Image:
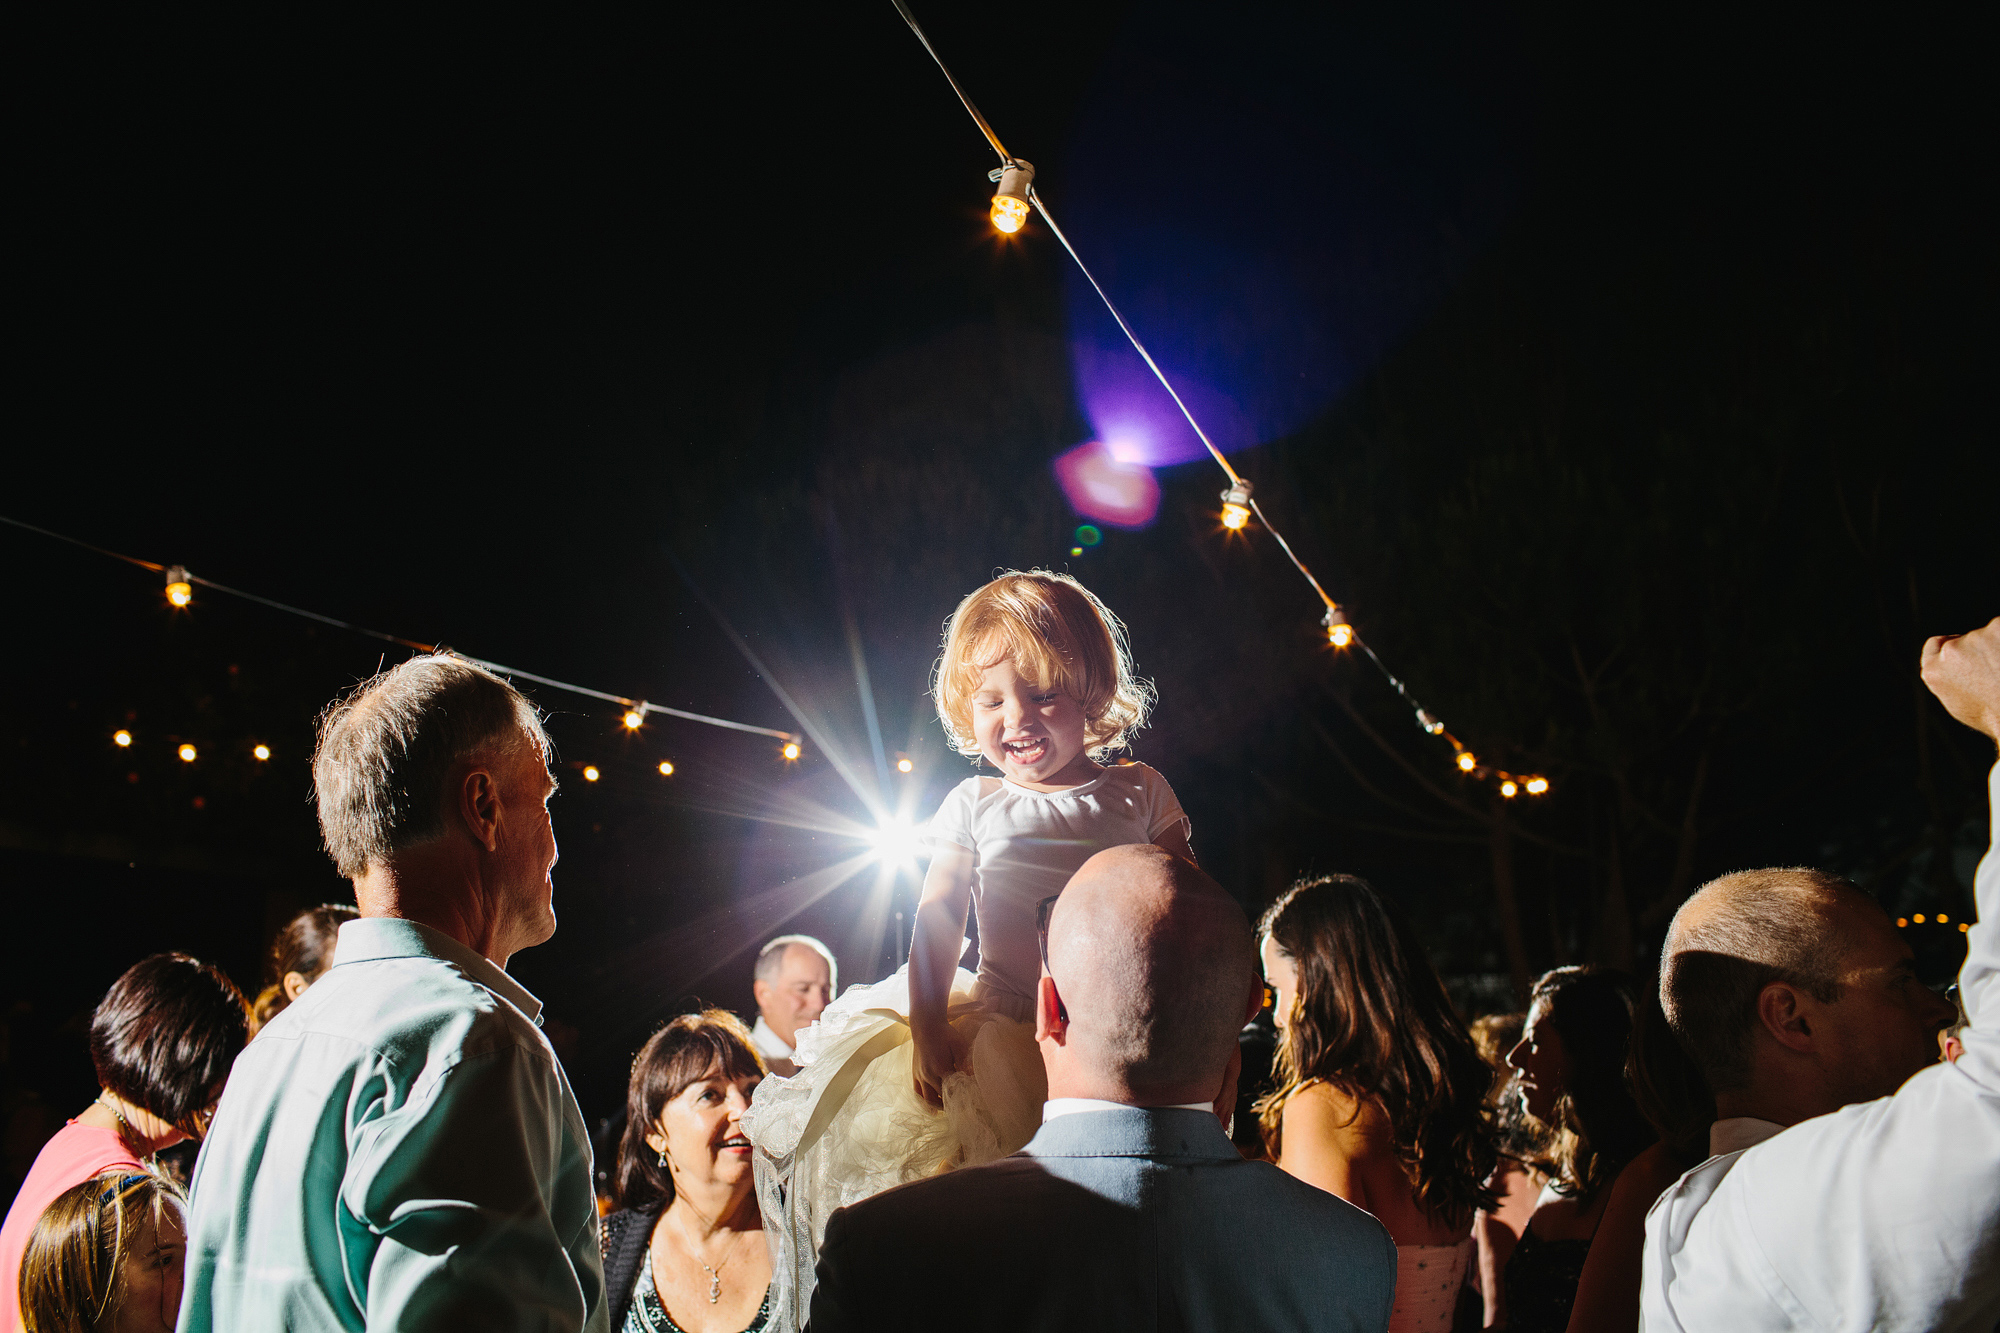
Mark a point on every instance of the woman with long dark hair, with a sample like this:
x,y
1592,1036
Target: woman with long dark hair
x,y
684,1251
300,952
1380,1092
1571,1059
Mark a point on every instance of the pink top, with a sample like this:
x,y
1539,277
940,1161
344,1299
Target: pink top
x,y
74,1155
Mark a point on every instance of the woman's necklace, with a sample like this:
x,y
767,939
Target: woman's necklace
x,y
124,1125
715,1273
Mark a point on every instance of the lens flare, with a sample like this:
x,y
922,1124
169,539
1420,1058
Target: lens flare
x,y
896,839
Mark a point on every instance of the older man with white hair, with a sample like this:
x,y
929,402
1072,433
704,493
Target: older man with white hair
x,y
1856,1181
1130,1209
400,1148
796,978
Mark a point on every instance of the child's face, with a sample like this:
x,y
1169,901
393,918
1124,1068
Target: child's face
x,y
153,1277
1032,734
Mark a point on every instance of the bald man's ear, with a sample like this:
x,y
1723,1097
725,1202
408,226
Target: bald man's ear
x,y
1051,1018
1255,1000
1783,1012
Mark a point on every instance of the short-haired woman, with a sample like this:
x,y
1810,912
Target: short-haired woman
x,y
1381,1093
162,1041
107,1257
684,1252
298,955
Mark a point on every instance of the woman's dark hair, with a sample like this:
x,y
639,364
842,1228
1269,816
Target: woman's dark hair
x,y
305,946
164,1035
691,1048
1668,1085
1596,1127
1371,1018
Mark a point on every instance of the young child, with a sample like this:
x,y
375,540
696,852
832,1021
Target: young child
x,y
934,1068
107,1254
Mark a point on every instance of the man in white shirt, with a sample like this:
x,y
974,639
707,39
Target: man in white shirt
x,y
796,980
1857,1180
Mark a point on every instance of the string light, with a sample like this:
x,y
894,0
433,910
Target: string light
x,y
1917,917
1010,201
121,739
1010,209
791,750
1236,505
590,773
179,592
186,753
1963,928
262,752
666,768
1942,918
1536,786
635,718
905,766
1509,790
1902,923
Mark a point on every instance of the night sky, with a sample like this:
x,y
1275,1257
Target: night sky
x,y
1624,377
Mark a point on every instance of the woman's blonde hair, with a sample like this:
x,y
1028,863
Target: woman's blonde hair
x,y
1060,636
73,1271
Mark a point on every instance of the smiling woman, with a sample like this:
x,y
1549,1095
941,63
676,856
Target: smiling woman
x,y
685,1249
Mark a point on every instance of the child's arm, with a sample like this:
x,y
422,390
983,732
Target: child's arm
x,y
934,948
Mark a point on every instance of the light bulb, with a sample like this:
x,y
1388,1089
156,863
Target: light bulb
x,y
905,766
1010,202
1236,505
1508,789
1429,723
1338,632
121,739
666,768
179,592
1964,929
791,749
1466,761
1918,917
1942,918
590,773
186,753
1902,923
1536,786
262,752
635,718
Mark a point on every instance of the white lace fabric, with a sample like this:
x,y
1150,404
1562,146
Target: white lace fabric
x,y
849,1124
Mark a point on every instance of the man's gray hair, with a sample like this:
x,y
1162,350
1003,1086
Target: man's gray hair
x,y
771,960
1732,938
387,748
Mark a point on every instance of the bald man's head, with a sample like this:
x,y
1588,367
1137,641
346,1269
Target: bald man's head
x,y
1739,934
1153,961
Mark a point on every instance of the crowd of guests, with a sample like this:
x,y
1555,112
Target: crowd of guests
x,y
1788,1131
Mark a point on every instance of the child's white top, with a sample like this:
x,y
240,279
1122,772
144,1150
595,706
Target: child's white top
x,y
1026,844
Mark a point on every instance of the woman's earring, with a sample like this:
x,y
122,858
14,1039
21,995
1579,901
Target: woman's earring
x,y
663,1157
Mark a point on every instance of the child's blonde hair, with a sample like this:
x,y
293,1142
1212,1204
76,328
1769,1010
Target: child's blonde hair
x,y
1060,636
73,1270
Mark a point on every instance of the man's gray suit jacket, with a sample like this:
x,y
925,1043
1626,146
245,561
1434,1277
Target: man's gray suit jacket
x,y
1116,1219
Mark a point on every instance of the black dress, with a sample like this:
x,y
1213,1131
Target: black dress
x,y
1541,1280
622,1239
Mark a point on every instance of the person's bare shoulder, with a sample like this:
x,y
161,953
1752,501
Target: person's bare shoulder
x,y
1357,1124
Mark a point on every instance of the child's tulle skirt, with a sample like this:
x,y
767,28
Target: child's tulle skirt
x,y
850,1124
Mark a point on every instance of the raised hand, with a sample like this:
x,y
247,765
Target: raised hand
x,y
1963,671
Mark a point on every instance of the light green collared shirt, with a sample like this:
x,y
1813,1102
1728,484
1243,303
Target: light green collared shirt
x,y
399,1149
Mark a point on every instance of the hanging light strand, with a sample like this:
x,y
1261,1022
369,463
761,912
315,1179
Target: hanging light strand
x,y
1238,501
638,706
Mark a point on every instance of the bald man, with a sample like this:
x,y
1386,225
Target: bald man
x,y
1856,1180
1129,1209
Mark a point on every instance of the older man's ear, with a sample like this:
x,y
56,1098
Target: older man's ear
x,y
1051,1019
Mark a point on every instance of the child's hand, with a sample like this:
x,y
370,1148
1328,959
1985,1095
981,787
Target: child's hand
x,y
939,1051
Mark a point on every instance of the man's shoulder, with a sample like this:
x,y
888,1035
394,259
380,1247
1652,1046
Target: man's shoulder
x,y
404,1007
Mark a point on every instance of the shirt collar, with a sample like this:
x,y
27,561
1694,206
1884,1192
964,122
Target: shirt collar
x,y
371,938
768,1043
1739,1132
1057,1107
